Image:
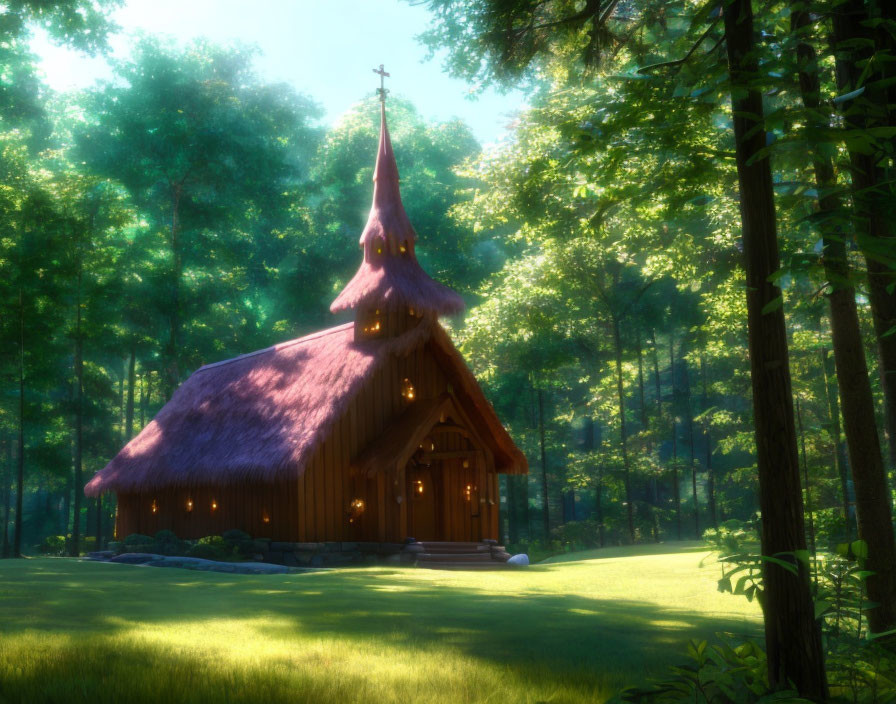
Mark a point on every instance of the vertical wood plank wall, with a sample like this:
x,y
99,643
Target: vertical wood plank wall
x,y
315,506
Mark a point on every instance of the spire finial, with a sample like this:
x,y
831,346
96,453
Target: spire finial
x,y
383,76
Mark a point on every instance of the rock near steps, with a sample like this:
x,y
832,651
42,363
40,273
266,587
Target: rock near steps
x,y
484,555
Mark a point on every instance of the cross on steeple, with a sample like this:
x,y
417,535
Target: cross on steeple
x,y
382,89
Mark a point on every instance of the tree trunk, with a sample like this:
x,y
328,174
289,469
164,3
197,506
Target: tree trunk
x,y
687,378
143,400
641,384
710,477
872,195
20,478
792,635
865,457
676,488
75,546
599,505
569,505
121,406
6,489
623,434
545,514
656,376
649,443
129,413
807,487
172,377
839,456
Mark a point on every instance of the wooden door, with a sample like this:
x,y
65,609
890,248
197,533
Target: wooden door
x,y
423,497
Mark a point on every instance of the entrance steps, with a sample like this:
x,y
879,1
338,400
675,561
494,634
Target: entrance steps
x,y
443,555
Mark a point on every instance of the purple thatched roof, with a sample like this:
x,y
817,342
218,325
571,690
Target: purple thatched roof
x,y
250,417
390,276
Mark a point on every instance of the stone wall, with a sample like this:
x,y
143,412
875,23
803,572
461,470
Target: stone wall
x,y
336,554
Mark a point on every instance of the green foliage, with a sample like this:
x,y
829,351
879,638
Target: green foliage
x,y
732,536
239,543
137,542
715,674
576,535
214,547
167,543
55,545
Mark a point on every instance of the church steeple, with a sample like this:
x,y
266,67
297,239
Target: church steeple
x,y
390,281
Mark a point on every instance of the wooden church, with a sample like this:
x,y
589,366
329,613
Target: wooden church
x,y
375,430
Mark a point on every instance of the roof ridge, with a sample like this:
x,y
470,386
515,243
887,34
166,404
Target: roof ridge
x,y
278,346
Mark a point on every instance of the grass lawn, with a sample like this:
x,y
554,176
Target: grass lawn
x,y
566,631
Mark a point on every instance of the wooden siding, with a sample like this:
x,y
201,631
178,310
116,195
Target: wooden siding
x,y
315,506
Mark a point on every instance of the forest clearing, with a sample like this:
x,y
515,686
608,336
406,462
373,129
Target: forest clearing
x,y
571,632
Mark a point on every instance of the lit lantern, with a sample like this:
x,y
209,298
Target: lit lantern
x,y
189,504
418,487
214,505
402,248
265,518
468,492
155,506
407,390
411,312
466,464
355,509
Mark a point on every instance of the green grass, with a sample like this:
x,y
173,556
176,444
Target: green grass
x,y
75,631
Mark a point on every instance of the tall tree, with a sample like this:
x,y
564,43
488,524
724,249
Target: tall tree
x,y
863,57
200,144
792,635
865,457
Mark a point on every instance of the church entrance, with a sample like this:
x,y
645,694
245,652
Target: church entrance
x,y
424,492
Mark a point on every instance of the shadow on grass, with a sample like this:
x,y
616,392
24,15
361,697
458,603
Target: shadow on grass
x,y
539,640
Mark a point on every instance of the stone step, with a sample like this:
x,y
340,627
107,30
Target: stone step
x,y
432,550
458,547
456,557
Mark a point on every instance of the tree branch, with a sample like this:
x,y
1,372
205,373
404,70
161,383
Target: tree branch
x,y
684,59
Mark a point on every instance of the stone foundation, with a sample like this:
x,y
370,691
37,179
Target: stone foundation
x,y
329,554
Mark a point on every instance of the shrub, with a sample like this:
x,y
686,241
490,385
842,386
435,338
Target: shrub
x,y
136,542
167,543
213,547
717,674
576,535
55,545
240,542
830,527
731,536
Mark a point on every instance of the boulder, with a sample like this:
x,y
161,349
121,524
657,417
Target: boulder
x,y
520,559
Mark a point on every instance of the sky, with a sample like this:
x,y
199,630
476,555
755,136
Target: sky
x,y
324,48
